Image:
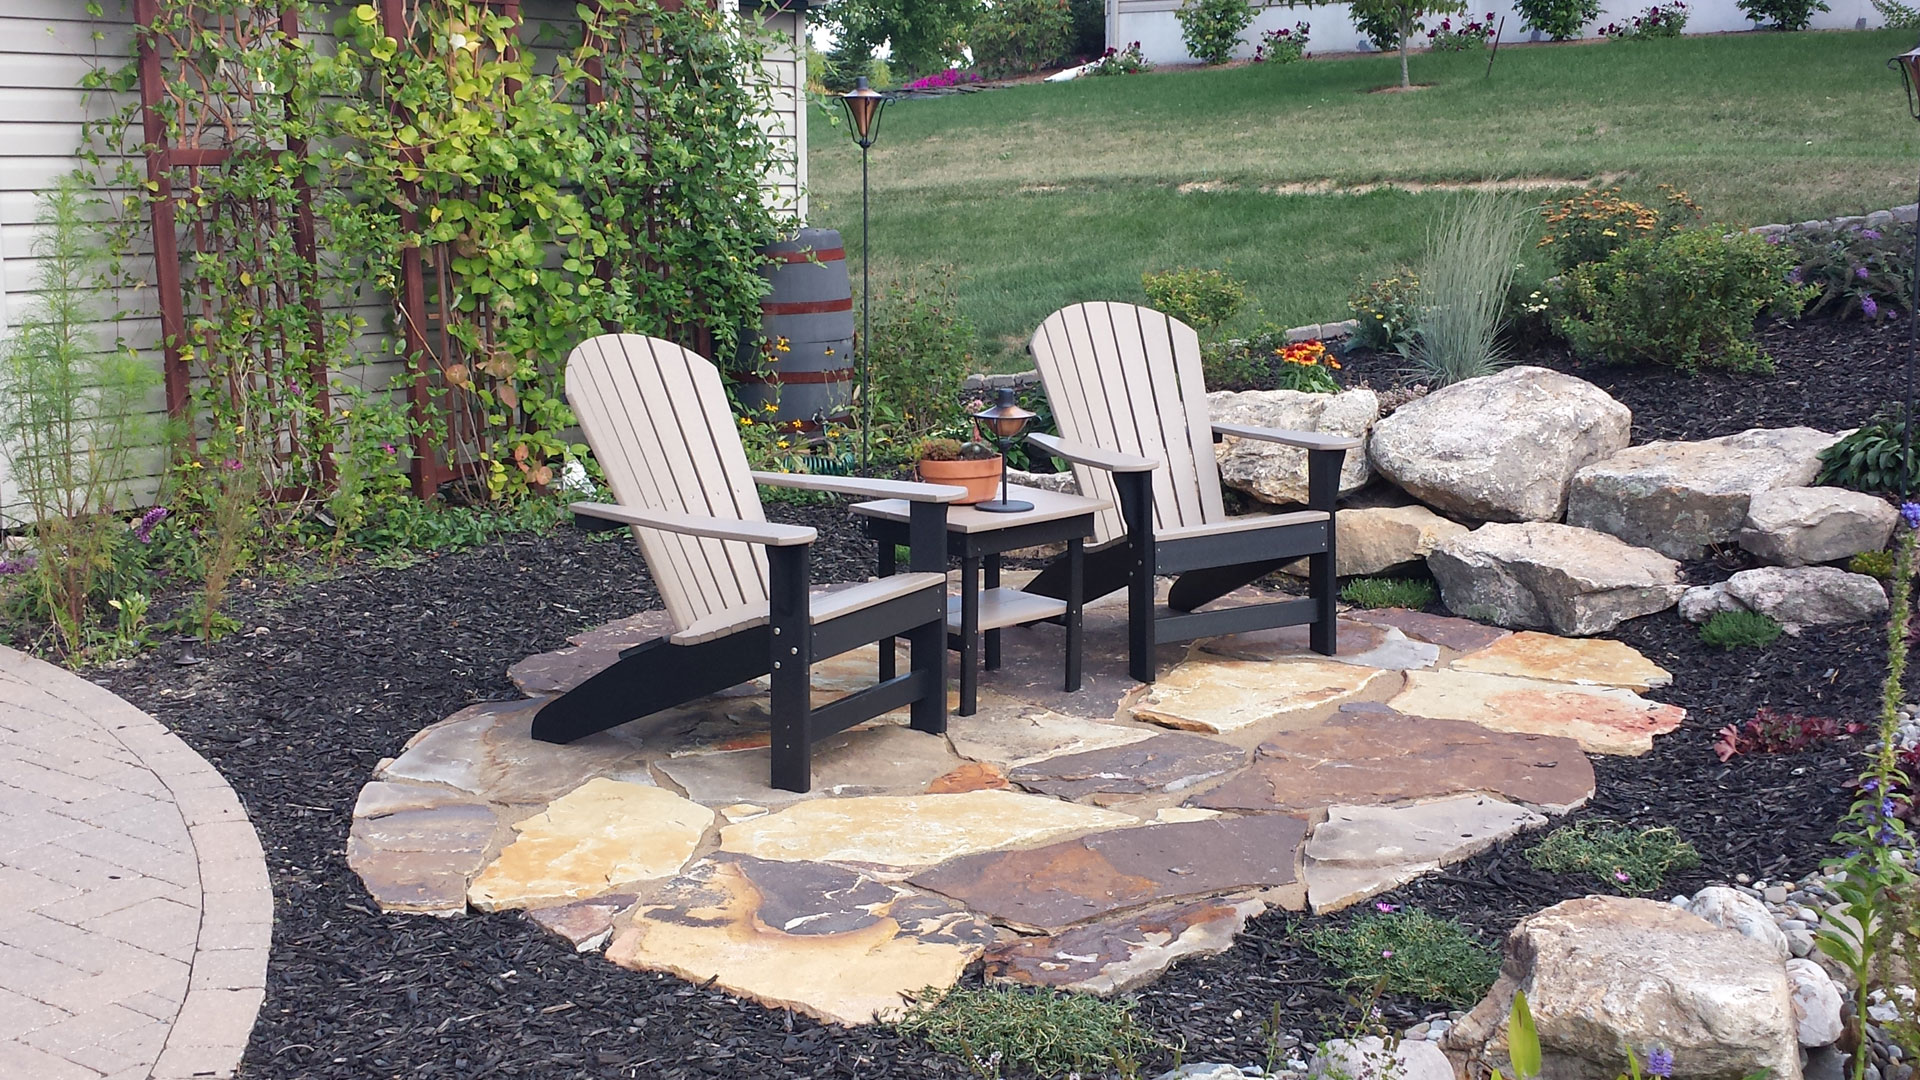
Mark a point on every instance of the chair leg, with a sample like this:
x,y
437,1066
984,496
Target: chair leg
x,y
887,563
1325,588
1136,506
791,662
927,657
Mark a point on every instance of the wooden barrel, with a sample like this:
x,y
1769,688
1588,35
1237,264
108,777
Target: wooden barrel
x,y
809,303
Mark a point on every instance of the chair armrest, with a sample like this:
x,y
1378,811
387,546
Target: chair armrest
x,y
860,485
753,532
1082,454
1305,440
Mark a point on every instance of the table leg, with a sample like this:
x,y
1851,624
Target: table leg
x,y
887,564
969,635
993,636
1076,588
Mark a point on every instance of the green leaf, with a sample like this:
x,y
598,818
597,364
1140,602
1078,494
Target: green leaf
x,y
1523,1039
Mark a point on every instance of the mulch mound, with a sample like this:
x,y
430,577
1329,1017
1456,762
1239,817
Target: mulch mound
x,y
327,678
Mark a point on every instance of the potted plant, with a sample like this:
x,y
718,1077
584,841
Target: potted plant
x,y
972,465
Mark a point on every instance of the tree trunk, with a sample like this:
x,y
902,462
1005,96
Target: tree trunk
x,y
1406,31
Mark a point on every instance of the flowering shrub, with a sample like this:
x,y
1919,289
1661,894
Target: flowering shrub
x,y
1017,36
1593,224
1308,366
1558,19
1282,46
1387,310
1655,22
1861,273
944,79
1127,61
1688,300
1202,299
1212,28
1469,35
1783,14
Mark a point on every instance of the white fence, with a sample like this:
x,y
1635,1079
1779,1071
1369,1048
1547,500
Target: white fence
x,y
1153,25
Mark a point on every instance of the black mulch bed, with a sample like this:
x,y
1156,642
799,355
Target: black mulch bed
x,y
331,676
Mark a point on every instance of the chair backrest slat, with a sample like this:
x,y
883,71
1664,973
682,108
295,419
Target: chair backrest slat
x,y
656,417
1127,378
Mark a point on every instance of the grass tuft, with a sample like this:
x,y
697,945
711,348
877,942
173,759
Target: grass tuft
x,y
1739,630
1875,564
1463,289
1629,861
1000,1030
1410,952
1376,592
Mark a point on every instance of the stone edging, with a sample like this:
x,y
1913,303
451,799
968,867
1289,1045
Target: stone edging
x,y
1903,214
1031,377
228,972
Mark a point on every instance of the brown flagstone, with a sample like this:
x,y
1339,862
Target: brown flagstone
x,y
1011,733
1460,635
1218,696
548,673
886,759
1360,644
973,776
1382,756
1362,851
1598,661
626,633
1050,888
420,860
585,924
819,939
1164,763
1604,719
489,750
1114,956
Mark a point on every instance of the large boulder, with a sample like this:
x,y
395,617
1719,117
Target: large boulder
x,y
1272,472
1796,526
1793,596
1500,448
1369,539
1680,497
1543,576
1605,973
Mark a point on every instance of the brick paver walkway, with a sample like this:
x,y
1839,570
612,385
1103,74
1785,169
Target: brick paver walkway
x,y
135,912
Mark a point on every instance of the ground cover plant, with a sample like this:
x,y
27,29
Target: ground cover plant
x,y
1739,630
1022,1031
1192,168
1777,731
1378,592
1625,860
1409,951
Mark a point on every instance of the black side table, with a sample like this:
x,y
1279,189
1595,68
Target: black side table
x,y
978,539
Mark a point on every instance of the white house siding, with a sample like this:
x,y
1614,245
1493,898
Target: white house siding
x,y
1152,23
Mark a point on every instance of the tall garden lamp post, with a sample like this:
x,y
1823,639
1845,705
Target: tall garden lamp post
x,y
863,106
1005,419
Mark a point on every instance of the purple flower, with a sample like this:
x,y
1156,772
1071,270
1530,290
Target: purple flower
x,y
143,529
16,566
1774,240
1868,308
1910,513
389,448
1870,234
1860,272
1660,1062
1794,275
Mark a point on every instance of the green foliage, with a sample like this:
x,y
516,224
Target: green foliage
x,y
1594,224
1558,19
1380,23
1469,264
1409,952
1089,27
924,36
1127,61
1014,37
955,450
1629,861
1783,14
1861,273
1896,15
1688,300
1387,311
1739,630
1212,28
1873,564
1874,457
71,419
1203,299
1378,592
1523,1039
996,1030
1397,21
922,350
1284,45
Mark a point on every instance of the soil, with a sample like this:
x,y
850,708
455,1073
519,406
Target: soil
x,y
330,676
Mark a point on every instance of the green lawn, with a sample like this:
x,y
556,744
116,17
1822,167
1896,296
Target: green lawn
x,y
1043,195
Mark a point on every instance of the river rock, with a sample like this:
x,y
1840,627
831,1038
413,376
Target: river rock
x,y
1796,526
1543,576
1808,595
1604,973
1500,448
1731,909
1679,498
1275,473
1816,1003
1368,1058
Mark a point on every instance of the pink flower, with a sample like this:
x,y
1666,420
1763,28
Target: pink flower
x,y
1386,954
1383,906
1622,876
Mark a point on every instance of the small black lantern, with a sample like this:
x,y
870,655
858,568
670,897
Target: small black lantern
x,y
1006,420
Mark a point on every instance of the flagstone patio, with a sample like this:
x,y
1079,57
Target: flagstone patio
x,y
1081,841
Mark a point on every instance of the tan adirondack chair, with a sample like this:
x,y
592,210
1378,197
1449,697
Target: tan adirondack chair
x,y
1126,390
735,584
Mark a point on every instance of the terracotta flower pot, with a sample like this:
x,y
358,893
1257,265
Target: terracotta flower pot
x,y
980,476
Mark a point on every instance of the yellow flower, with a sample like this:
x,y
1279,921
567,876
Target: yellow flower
x,y
746,421
783,444
769,407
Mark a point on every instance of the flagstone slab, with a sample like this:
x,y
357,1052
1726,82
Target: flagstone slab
x,y
1010,734
1358,643
589,842
888,759
378,798
1603,719
489,751
972,776
1048,889
1460,635
548,673
821,940
584,924
1383,756
1219,696
625,633
419,860
1362,851
1164,763
1114,956
911,830
1594,661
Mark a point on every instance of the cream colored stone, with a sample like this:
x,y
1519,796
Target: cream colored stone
x,y
1205,694
1026,734
599,836
887,759
489,750
1602,719
741,811
913,830
1589,661
1170,814
1362,851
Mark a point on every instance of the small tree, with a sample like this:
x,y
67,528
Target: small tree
x,y
1404,16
